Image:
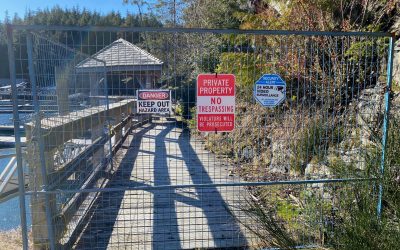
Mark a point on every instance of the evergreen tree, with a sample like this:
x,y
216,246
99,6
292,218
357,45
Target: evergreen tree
x,y
75,17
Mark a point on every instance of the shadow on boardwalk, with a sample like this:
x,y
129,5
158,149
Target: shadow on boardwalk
x,y
176,218
103,213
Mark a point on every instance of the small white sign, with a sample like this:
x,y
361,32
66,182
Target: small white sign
x,y
154,101
270,90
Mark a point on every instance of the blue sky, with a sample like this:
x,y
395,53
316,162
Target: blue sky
x,y
102,6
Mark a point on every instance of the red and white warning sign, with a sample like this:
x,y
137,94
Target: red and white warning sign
x,y
215,102
154,101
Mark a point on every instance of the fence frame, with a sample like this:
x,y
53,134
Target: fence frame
x,y
32,28
21,181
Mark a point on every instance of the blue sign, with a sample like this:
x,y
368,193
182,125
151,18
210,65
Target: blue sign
x,y
270,90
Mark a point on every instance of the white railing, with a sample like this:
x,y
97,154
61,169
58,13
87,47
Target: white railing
x,y
8,179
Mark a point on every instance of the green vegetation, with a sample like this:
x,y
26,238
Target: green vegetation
x,y
264,224
360,226
338,216
308,145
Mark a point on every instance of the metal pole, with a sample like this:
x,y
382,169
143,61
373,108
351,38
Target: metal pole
x,y
21,181
385,122
108,116
32,77
194,30
174,13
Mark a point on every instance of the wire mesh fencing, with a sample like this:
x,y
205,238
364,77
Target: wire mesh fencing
x,y
103,175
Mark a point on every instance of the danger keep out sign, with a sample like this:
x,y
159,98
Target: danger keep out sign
x,y
215,102
154,101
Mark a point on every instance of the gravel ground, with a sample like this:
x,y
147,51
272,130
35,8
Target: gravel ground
x,y
10,240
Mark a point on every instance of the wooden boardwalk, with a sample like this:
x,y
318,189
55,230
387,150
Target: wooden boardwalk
x,y
166,218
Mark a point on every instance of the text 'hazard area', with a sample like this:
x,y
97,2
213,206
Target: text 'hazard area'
x,y
154,101
215,102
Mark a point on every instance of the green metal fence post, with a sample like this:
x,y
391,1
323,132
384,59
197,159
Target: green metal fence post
x,y
385,122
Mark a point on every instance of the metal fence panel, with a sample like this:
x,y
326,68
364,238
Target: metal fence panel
x,y
104,176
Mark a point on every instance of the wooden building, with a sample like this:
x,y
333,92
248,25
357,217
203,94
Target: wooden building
x,y
128,68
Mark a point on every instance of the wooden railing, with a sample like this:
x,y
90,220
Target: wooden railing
x,y
88,167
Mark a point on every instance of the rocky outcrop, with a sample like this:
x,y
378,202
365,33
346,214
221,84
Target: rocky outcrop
x,y
280,155
366,133
317,169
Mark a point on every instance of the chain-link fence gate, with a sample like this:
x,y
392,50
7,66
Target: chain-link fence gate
x,y
104,176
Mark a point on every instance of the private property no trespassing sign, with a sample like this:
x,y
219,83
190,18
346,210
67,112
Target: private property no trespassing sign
x,y
154,101
215,102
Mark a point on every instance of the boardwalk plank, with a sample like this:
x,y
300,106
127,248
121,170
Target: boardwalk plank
x,y
173,218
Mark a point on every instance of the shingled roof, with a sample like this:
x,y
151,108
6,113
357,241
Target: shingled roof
x,y
120,55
